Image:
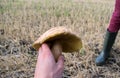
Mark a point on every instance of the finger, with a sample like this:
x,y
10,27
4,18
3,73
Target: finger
x,y
38,64
45,47
39,54
40,50
60,63
46,51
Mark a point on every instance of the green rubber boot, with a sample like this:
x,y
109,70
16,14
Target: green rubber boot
x,y
108,43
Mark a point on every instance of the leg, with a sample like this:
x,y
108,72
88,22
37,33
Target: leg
x,y
115,22
114,25
108,43
111,34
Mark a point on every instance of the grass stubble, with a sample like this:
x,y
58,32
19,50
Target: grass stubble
x,y
23,21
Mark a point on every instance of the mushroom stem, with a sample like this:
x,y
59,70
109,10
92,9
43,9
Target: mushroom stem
x,y
56,50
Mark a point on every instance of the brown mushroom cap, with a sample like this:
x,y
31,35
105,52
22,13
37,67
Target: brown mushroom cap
x,y
69,41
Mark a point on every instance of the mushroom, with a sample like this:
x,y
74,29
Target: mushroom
x,y
60,39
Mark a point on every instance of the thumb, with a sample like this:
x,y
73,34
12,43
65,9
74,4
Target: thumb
x,y
60,63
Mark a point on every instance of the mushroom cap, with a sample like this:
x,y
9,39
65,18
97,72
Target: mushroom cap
x,y
69,41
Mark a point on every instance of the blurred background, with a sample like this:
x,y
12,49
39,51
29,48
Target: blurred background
x,y
23,21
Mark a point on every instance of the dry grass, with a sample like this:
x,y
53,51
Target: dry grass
x,y
23,21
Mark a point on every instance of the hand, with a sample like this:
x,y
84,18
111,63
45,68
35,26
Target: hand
x,y
46,66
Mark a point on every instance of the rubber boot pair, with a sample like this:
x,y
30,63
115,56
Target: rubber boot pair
x,y
108,43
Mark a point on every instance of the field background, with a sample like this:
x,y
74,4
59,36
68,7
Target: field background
x,y
23,21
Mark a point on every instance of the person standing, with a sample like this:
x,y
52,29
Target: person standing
x,y
111,34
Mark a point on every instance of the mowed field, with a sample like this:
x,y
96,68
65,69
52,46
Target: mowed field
x,y
23,21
